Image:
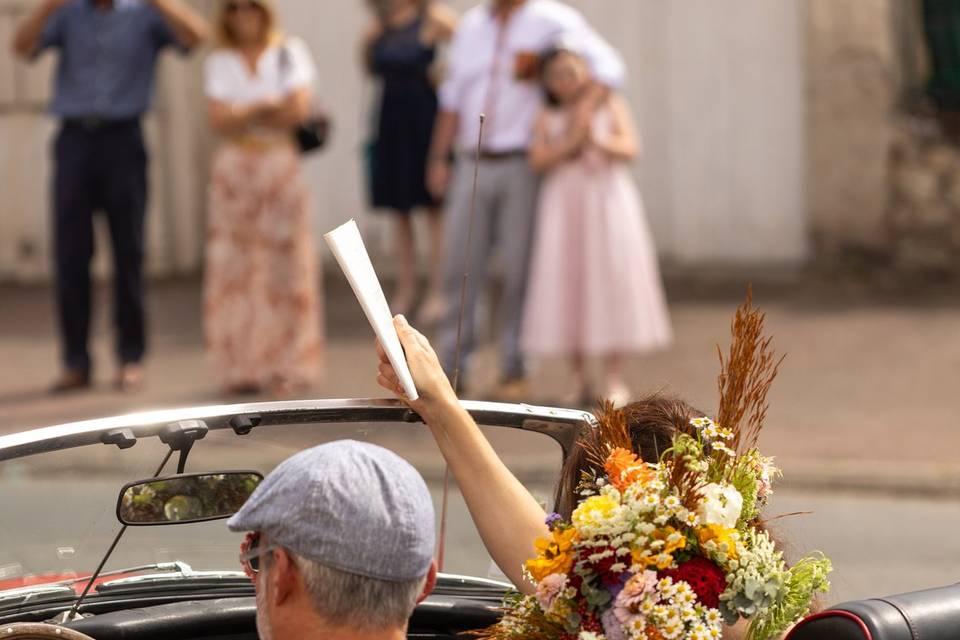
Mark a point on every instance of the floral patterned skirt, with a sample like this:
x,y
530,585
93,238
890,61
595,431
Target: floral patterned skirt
x,y
262,306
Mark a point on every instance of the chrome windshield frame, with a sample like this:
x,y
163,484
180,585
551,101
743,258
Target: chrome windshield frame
x,y
562,425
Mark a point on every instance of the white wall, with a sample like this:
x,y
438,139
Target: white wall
x,y
718,91
717,88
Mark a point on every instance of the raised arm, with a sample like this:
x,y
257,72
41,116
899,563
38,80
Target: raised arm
x,y
507,517
189,28
440,25
26,39
606,64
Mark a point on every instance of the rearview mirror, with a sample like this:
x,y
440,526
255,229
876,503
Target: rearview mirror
x,y
185,498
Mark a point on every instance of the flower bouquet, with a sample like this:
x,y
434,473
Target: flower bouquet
x,y
677,548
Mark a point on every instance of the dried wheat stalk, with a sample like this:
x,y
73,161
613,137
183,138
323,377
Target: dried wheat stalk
x,y
746,375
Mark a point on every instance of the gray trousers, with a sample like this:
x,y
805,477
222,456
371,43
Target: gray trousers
x,y
503,220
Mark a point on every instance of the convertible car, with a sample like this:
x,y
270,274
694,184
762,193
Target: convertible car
x,y
81,552
83,555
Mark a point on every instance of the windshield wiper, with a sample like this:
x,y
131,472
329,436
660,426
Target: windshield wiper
x,y
184,574
37,593
64,588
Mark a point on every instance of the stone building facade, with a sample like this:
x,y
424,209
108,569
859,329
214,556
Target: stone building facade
x,y
883,177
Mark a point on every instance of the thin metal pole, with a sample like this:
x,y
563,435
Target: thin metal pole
x,y
445,498
466,256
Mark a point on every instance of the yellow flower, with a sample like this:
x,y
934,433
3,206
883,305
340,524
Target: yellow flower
x,y
720,535
594,511
554,554
672,541
644,558
672,538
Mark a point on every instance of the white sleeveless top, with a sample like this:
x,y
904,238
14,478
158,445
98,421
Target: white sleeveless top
x,y
227,77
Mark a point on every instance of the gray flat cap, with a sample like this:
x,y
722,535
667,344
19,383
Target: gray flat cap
x,y
348,505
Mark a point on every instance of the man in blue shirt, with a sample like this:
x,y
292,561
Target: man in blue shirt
x,y
103,85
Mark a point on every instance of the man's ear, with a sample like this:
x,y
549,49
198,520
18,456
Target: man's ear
x,y
430,583
283,574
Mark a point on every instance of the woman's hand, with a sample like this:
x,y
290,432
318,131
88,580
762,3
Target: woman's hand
x,y
438,177
432,384
263,111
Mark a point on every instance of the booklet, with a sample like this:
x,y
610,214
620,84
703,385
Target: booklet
x,y
351,254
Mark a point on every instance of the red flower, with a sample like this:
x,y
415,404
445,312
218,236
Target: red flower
x,y
705,578
575,580
602,567
588,621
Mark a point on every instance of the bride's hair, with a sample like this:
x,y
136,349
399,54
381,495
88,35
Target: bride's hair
x,y
652,421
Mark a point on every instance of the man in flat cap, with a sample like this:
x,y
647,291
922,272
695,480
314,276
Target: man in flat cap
x,y
341,544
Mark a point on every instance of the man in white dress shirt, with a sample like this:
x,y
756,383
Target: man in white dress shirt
x,y
492,70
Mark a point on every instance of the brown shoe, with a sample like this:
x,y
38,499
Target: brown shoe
x,y
71,380
130,377
511,391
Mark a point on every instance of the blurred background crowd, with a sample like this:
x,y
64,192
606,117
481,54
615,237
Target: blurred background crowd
x,y
642,161
773,139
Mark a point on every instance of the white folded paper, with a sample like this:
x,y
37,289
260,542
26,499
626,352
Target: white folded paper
x,y
351,254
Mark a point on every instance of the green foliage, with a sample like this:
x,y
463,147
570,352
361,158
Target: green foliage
x,y
804,579
596,597
745,480
685,449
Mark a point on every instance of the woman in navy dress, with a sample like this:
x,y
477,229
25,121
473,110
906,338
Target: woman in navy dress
x,y
399,48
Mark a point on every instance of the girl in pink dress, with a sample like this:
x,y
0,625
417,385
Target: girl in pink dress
x,y
594,287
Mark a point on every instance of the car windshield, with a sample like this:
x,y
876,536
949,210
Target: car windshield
x,y
69,512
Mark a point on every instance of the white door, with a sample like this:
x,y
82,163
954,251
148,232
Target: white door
x,y
718,91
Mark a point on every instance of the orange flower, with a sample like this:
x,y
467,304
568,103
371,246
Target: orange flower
x,y
554,554
653,634
624,469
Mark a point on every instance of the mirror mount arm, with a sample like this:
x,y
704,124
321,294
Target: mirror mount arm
x,y
180,436
182,463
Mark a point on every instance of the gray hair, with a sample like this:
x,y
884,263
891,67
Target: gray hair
x,y
359,602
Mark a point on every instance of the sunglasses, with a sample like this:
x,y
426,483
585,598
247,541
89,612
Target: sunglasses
x,y
251,549
233,7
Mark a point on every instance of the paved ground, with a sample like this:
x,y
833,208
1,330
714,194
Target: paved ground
x,y
873,541
867,396
863,422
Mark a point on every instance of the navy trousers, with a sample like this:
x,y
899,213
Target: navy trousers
x,y
99,166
